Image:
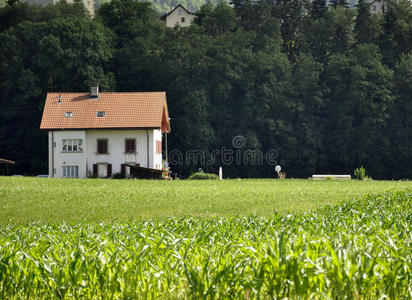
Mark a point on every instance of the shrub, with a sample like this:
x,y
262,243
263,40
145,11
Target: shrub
x,y
199,175
360,173
118,176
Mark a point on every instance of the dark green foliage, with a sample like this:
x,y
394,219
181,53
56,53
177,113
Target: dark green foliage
x,y
360,173
201,176
325,89
163,6
53,53
318,9
118,176
367,26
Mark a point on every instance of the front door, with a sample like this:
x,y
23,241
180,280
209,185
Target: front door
x,y
102,170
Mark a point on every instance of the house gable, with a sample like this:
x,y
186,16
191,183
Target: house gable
x,y
179,16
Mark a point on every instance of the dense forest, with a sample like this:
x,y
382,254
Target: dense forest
x,y
326,87
162,6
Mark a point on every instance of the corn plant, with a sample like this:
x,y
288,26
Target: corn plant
x,y
357,250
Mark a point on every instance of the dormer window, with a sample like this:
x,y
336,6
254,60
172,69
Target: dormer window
x,y
68,114
101,114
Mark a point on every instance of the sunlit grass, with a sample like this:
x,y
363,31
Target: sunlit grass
x,y
24,200
359,249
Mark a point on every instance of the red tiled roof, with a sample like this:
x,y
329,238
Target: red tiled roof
x,y
122,110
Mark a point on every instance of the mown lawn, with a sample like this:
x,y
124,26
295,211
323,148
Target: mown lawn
x,y
25,200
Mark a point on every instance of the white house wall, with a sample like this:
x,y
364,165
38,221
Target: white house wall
x,y
66,158
116,156
116,148
157,156
176,18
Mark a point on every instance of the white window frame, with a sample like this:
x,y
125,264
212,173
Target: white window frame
x,y
72,145
70,171
68,114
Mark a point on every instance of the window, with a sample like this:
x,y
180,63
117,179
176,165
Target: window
x,y
68,114
101,114
183,20
72,145
130,146
179,12
102,146
374,8
70,171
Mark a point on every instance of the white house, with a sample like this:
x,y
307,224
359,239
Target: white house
x,y
377,6
98,134
179,16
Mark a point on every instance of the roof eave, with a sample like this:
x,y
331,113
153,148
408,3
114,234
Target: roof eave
x,y
100,128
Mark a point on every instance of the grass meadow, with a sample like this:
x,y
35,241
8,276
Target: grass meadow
x,y
231,239
30,199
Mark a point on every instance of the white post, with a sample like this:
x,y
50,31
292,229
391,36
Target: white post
x,y
220,173
277,169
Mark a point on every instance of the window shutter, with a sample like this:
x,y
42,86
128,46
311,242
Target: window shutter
x,y
94,170
123,169
102,146
130,146
109,170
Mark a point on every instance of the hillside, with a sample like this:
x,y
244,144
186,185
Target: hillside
x,y
164,6
248,86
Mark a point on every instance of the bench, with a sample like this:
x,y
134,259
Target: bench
x,y
347,177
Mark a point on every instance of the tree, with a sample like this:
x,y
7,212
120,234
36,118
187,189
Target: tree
x,y
360,96
318,9
366,26
289,14
329,34
307,118
216,20
41,57
128,19
397,28
341,3
399,128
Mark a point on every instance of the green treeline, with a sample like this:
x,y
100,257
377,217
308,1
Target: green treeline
x,y
164,6
321,89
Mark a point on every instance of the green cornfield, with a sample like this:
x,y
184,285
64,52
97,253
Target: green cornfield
x,y
357,249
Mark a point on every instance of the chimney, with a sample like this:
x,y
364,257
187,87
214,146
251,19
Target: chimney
x,y
94,90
